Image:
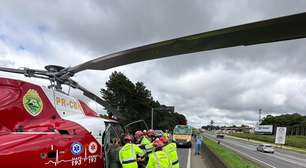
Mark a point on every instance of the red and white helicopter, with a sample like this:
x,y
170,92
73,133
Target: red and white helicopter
x,y
45,127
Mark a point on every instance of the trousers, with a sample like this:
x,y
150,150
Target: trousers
x,y
198,149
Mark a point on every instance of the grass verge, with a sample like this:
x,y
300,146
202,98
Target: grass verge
x,y
230,158
293,141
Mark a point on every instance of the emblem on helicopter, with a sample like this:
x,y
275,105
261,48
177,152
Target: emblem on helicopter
x,y
76,148
32,102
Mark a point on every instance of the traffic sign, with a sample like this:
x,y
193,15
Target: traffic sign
x,y
280,137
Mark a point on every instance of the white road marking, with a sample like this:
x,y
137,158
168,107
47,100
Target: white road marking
x,y
291,157
241,153
249,156
189,157
287,158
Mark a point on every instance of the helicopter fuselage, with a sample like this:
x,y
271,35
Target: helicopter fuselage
x,y
41,127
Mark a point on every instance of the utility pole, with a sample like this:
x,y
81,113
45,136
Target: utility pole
x,y
259,117
152,114
211,124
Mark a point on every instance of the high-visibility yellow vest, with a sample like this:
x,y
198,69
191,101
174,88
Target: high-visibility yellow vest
x,y
159,159
171,151
145,141
128,155
149,148
166,135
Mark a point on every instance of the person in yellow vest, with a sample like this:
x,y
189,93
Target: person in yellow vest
x,y
145,139
128,153
138,136
151,134
166,134
146,142
171,150
158,158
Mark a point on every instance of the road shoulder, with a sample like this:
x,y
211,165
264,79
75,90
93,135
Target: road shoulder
x,y
197,161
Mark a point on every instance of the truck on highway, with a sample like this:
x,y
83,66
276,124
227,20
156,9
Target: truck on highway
x,y
183,135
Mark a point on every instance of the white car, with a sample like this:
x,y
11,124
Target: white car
x,y
265,148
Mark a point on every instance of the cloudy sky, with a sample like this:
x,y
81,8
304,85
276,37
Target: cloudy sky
x,y
226,85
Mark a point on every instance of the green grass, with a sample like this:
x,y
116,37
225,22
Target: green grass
x,y
294,141
230,158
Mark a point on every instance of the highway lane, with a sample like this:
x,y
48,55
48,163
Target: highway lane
x,y
280,159
183,156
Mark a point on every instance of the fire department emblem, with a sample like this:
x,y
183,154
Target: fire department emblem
x,y
93,147
32,102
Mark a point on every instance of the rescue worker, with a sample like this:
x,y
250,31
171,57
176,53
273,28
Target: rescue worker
x,y
151,134
128,153
144,132
158,159
166,134
171,150
138,136
146,141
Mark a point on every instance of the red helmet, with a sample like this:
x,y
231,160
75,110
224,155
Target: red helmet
x,y
128,138
138,134
158,143
151,132
164,140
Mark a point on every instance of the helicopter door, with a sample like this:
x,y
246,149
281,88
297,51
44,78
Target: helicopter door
x,y
112,144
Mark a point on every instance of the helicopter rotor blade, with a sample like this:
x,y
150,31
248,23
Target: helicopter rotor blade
x,y
28,72
277,29
13,70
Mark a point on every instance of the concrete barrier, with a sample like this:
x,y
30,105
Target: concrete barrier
x,y
211,159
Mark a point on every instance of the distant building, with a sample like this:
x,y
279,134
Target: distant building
x,y
242,129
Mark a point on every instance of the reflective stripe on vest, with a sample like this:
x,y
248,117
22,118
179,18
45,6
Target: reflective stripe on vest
x,y
157,160
175,162
148,148
131,159
128,161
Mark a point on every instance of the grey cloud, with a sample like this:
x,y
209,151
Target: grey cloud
x,y
227,85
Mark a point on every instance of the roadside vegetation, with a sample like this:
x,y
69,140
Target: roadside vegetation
x,y
293,141
230,158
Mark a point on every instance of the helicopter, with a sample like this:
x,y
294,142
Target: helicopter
x,y
46,127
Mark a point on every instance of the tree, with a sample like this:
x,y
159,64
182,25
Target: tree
x,y
285,120
118,93
135,102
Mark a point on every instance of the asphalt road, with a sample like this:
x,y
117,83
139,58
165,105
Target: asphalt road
x,y
183,156
280,159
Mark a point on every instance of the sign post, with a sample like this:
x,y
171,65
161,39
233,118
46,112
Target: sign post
x,y
280,137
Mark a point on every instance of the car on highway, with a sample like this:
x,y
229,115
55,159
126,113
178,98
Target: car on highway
x,y
265,148
220,136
